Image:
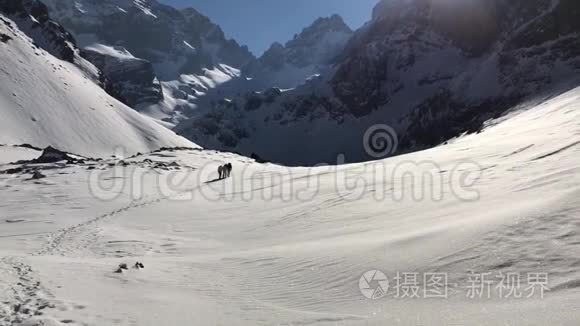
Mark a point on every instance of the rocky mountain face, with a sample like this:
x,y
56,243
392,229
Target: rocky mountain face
x,y
146,42
495,55
33,18
131,80
310,53
419,44
225,122
175,41
173,64
430,69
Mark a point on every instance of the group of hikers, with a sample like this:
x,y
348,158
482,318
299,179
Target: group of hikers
x,y
224,171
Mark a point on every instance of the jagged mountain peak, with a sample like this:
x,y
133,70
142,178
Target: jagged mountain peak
x,y
310,52
276,46
321,29
322,25
322,32
191,12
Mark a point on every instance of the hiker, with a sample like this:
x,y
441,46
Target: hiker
x,y
221,171
229,169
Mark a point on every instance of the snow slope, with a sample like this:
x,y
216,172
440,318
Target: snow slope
x,y
46,101
287,246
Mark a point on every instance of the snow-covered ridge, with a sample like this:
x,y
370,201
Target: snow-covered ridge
x,y
47,101
94,9
112,51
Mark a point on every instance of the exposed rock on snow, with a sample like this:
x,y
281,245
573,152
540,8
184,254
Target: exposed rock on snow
x,y
52,155
5,38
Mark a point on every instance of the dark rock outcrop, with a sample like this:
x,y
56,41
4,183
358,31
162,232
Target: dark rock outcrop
x,y
52,155
131,80
33,18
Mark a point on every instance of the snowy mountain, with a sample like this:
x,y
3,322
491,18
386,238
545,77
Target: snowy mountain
x,y
175,41
142,44
170,63
310,53
431,70
50,95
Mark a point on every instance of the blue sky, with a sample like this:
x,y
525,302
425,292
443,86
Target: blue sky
x,y
259,23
